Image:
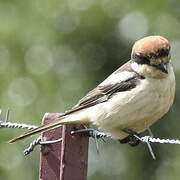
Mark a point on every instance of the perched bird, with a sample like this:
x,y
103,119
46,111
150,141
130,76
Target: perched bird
x,y
133,97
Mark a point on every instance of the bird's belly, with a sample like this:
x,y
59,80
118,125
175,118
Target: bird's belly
x,y
136,109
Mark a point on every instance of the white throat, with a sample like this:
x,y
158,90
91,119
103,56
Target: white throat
x,y
148,71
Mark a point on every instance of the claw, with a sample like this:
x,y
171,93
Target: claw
x,y
133,139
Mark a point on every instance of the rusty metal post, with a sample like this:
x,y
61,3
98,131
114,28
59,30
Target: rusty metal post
x,y
66,160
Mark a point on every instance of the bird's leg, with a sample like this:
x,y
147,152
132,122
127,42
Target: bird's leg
x,y
132,139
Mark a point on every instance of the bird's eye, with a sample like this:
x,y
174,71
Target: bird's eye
x,y
140,59
162,53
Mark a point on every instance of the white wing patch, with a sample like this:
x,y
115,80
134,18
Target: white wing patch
x,y
117,78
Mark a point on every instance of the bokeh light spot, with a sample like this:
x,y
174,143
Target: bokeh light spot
x,y
66,21
38,60
22,91
65,59
133,26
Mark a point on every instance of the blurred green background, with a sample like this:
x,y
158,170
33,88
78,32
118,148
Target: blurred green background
x,y
44,42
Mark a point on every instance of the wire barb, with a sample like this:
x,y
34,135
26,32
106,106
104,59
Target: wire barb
x,y
149,145
6,124
95,134
92,133
7,115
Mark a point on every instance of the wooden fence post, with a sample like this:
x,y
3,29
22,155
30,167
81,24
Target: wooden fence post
x,y
66,160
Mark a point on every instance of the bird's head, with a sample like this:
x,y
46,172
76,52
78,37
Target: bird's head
x,y
151,56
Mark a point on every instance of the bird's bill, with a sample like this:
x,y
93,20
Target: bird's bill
x,y
163,67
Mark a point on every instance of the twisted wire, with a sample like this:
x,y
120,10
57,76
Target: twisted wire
x,y
16,125
39,141
99,134
93,133
32,146
158,140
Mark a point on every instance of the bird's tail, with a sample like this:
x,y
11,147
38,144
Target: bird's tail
x,y
44,128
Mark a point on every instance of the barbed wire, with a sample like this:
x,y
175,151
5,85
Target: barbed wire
x,y
32,146
92,133
146,139
39,141
6,124
16,125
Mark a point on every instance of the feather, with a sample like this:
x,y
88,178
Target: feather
x,y
100,94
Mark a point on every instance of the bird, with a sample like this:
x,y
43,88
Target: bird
x,y
133,97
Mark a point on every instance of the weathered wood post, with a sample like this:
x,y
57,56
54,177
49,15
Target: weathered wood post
x,y
66,160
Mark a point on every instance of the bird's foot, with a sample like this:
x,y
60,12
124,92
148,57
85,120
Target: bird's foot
x,y
133,139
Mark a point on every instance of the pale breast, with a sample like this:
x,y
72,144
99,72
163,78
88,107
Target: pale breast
x,y
138,108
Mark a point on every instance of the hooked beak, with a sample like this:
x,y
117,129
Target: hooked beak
x,y
163,67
